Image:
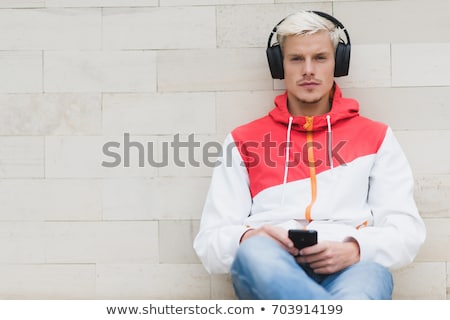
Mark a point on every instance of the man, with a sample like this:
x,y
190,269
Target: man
x,y
312,163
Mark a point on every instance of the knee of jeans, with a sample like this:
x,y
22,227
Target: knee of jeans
x,y
253,247
378,268
253,251
366,280
385,281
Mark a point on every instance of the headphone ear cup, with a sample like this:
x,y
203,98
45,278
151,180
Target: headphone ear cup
x,y
275,59
342,59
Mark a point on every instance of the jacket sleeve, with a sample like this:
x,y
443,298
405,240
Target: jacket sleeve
x,y
227,205
398,230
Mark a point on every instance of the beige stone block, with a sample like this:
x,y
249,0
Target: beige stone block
x,y
425,151
153,199
237,108
50,29
42,281
102,242
448,280
209,2
22,242
420,281
21,71
98,157
190,155
394,21
45,200
100,71
50,114
159,113
250,25
370,66
309,1
437,243
432,194
22,157
222,287
22,3
420,64
159,28
424,108
152,281
176,238
213,70
101,3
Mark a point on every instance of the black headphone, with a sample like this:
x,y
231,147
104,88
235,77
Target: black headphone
x,y
342,56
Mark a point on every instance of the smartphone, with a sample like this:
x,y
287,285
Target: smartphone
x,y
302,238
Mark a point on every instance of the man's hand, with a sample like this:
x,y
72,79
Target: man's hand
x,y
277,233
329,256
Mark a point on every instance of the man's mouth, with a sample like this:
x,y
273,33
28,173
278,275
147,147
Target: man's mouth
x,y
308,84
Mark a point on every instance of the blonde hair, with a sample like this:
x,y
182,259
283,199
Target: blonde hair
x,y
307,23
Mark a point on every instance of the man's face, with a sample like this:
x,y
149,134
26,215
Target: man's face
x,y
308,69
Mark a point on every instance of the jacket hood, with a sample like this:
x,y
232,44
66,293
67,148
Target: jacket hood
x,y
342,108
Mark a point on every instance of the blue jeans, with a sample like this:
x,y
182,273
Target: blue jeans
x,y
264,270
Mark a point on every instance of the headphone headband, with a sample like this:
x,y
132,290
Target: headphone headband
x,y
342,56
335,21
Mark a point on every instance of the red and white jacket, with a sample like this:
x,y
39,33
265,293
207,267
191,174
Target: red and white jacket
x,y
339,173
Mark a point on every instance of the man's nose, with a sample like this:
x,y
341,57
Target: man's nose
x,y
308,68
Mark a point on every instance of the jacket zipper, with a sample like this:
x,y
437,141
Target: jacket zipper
x,y
311,164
